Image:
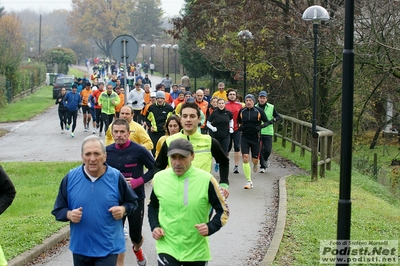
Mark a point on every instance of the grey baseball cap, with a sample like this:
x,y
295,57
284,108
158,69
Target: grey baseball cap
x,y
180,146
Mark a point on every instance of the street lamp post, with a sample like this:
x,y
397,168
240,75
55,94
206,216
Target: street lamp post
x,y
163,49
244,36
168,46
315,14
143,46
175,47
152,58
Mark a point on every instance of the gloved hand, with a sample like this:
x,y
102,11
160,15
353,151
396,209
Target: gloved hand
x,y
134,102
214,129
266,124
258,128
89,104
231,130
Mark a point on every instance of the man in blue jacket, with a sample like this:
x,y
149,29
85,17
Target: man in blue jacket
x,y
94,197
72,101
130,158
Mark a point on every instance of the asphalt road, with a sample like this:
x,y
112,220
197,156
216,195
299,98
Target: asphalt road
x,y
237,243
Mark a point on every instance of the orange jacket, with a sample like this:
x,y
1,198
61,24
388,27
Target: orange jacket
x,y
121,103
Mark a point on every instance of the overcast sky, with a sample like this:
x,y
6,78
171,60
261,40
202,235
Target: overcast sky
x,y
170,7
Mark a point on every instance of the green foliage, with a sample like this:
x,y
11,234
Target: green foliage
x,y
145,20
28,221
61,56
32,105
100,21
312,212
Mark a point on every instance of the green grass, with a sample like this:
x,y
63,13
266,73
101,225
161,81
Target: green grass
x,y
32,105
312,212
76,72
28,107
28,221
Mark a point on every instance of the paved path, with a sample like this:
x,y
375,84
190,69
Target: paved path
x,y
235,244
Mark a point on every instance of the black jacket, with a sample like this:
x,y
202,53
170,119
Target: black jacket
x,y
7,191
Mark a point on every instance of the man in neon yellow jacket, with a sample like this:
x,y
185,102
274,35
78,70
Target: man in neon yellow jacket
x,y
179,207
108,100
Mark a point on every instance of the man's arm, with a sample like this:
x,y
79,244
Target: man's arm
x,y
109,138
162,159
218,202
61,208
7,191
152,212
276,116
128,197
148,161
220,157
144,139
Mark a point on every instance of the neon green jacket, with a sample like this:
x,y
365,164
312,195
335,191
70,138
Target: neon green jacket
x,y
105,100
177,204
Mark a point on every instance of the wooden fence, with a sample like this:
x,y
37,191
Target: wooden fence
x,y
298,133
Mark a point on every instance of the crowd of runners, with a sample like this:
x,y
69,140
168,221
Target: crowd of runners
x,y
141,122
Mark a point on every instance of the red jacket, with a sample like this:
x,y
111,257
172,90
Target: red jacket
x,y
96,95
234,108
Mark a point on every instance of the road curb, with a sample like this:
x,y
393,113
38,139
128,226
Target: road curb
x,y
280,224
48,243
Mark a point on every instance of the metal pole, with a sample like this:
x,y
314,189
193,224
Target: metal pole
x,y
244,69
163,49
175,67
124,55
168,61
315,78
344,205
40,36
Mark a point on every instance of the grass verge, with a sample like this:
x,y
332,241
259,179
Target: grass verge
x,y
28,221
32,105
312,212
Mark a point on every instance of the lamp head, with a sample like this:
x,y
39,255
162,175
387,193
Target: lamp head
x,y
245,35
316,14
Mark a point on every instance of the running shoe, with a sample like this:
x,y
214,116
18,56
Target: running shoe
x,y
216,167
85,130
72,135
94,131
87,125
236,169
262,170
62,131
268,163
141,257
255,168
249,185
67,127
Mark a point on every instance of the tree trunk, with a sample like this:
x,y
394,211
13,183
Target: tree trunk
x,y
376,137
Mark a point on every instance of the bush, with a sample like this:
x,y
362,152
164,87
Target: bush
x,y
28,76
